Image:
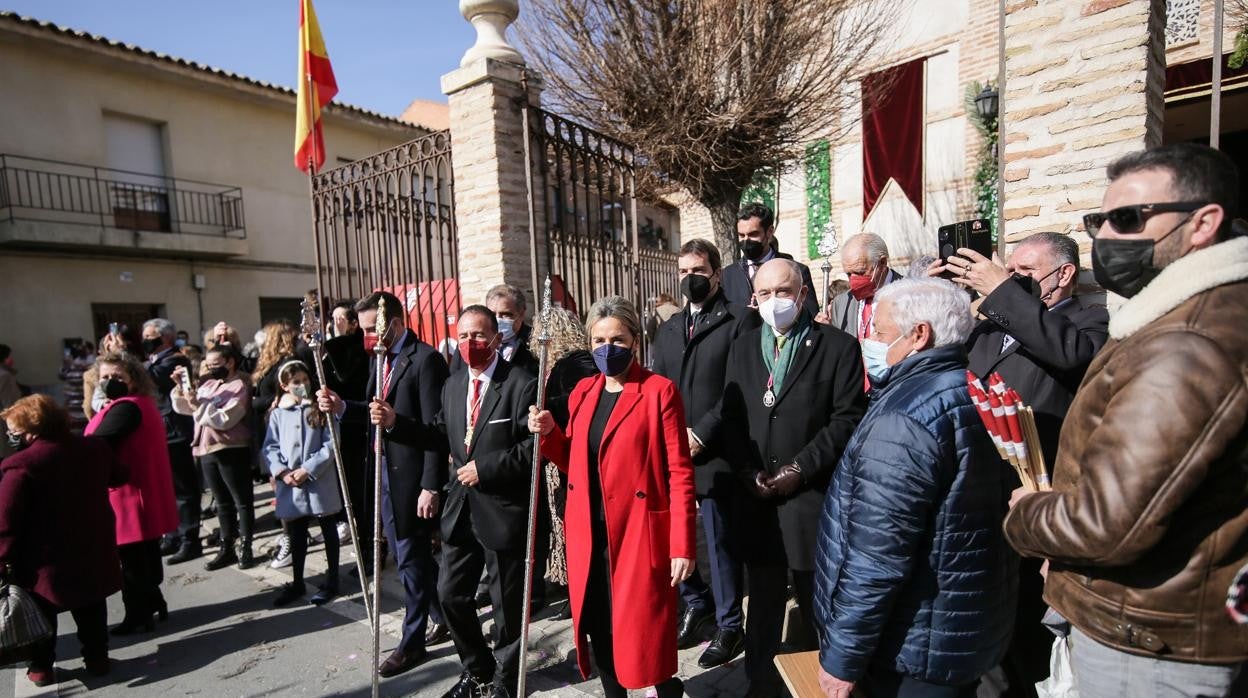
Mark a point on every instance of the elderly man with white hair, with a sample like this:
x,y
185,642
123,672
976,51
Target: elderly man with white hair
x,y
914,582
865,261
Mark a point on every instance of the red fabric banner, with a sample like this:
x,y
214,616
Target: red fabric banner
x,y
892,133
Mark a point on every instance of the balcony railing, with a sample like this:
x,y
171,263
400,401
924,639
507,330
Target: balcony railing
x,y
32,189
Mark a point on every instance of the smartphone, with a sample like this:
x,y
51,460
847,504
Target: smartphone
x,y
973,234
186,381
114,329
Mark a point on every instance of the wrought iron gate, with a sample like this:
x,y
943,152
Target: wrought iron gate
x,y
587,185
387,221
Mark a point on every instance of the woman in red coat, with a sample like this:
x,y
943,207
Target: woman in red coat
x,y
56,527
144,507
630,508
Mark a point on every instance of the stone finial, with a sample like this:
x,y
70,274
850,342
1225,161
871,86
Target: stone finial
x,y
491,18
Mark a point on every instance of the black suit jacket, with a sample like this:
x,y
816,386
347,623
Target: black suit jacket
x,y
1051,352
521,357
820,403
178,427
738,288
697,366
415,393
347,365
502,447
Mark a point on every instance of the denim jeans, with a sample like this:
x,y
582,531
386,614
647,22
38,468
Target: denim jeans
x,y
1104,672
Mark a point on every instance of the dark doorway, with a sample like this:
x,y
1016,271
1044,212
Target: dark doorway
x,y
129,318
273,309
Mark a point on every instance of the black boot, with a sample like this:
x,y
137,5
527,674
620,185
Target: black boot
x,y
224,557
245,558
189,551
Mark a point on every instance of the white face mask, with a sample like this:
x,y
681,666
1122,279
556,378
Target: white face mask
x,y
507,328
779,313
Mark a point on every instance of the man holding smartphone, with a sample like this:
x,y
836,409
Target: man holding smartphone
x,y
163,358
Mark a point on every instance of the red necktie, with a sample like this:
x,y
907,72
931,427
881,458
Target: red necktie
x,y
476,402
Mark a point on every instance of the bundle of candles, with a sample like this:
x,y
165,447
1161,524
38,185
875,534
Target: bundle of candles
x,y
1012,426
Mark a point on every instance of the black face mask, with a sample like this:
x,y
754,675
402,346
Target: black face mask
x,y
219,373
752,249
16,442
1123,266
151,346
1033,286
114,389
695,287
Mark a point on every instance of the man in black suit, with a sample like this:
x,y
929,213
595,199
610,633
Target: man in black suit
x,y
865,261
484,424
412,474
508,305
691,350
792,397
756,239
1040,337
159,336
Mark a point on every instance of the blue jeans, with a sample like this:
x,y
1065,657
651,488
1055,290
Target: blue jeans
x,y
1104,672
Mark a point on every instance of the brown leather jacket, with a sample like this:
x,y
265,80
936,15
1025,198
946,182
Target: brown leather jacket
x,y
1148,520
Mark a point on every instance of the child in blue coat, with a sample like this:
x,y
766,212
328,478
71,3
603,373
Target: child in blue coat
x,y
298,452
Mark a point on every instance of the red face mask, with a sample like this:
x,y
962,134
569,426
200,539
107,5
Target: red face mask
x,y
370,342
477,353
861,286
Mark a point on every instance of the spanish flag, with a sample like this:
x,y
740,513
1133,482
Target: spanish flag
x,y
316,88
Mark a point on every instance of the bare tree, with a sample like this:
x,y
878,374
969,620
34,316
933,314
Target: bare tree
x,y
708,91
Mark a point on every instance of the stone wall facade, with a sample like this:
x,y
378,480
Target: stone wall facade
x,y
1084,85
491,196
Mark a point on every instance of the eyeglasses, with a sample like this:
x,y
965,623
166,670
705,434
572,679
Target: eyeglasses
x,y
1129,220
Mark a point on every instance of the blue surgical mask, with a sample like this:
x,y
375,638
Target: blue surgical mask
x,y
507,328
613,360
875,356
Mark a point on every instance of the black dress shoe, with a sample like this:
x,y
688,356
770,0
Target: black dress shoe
x,y
467,687
724,647
290,593
437,634
694,627
324,595
400,661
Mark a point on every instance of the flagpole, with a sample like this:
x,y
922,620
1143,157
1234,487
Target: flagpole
x,y
372,606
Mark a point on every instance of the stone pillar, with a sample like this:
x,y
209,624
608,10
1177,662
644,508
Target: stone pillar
x,y
487,156
1084,84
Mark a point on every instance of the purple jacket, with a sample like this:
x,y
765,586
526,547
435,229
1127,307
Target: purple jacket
x,y
56,524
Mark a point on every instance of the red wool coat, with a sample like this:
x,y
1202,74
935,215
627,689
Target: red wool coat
x,y
145,507
648,497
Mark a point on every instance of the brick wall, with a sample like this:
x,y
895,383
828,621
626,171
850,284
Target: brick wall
x,y
1084,85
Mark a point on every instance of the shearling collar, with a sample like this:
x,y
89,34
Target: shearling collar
x,y
288,401
1200,271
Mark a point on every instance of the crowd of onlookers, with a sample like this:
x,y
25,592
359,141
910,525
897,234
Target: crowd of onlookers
x,y
828,449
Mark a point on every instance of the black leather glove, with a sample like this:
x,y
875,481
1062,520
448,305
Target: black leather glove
x,y
787,480
759,486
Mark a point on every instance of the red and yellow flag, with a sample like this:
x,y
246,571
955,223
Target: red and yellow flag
x,y
316,88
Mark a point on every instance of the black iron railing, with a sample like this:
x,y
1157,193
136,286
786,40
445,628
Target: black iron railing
x,y
62,192
388,221
593,242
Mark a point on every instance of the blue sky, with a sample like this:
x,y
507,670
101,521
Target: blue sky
x,y
385,53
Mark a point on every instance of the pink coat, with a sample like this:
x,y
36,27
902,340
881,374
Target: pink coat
x,y
144,507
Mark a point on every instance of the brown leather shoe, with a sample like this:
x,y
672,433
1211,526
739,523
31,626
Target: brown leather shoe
x,y
399,662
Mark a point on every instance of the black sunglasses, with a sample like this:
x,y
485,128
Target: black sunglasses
x,y
1129,220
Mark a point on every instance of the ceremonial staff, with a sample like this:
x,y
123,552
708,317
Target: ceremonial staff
x,y
378,452
312,333
827,247
530,538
